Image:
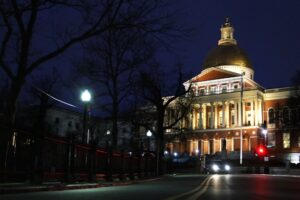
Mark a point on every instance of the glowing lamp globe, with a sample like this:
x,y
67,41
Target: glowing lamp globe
x,y
86,96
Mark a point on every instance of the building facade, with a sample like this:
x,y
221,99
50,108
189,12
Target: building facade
x,y
64,122
231,111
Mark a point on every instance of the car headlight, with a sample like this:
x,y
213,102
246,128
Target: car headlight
x,y
227,167
215,167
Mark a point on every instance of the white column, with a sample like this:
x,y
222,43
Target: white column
x,y
223,114
252,113
240,113
200,121
191,118
227,121
260,111
216,113
212,115
204,116
256,112
237,114
244,113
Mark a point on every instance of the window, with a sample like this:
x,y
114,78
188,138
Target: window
x,y
271,139
70,124
285,115
248,117
235,86
209,120
232,120
286,140
213,89
201,91
298,141
271,116
224,88
221,118
56,121
192,91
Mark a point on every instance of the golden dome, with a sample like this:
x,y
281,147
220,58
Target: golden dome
x,y
227,54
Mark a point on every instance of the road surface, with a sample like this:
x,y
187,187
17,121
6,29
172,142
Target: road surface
x,y
188,187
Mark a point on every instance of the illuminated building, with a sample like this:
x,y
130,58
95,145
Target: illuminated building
x,y
228,102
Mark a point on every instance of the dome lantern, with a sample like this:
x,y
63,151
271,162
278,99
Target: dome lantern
x,y
228,55
227,34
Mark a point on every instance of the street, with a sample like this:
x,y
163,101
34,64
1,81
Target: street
x,y
190,187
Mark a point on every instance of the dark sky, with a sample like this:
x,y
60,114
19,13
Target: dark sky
x,y
268,30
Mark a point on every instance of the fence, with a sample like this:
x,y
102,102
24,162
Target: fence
x,y
62,159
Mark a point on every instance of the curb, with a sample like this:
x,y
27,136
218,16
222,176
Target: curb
x,y
29,189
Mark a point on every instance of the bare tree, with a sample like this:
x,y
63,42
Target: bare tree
x,y
27,42
110,63
161,93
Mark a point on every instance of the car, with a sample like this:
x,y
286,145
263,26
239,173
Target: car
x,y
217,167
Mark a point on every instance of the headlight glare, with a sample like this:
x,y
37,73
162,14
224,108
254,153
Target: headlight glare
x,y
215,167
227,167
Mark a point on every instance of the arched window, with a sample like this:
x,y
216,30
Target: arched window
x,y
286,115
271,116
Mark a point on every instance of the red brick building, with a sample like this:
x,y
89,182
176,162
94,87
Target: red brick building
x,y
231,111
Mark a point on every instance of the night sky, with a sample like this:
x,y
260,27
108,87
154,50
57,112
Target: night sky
x,y
268,30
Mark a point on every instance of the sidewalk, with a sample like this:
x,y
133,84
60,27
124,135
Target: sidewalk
x,y
24,187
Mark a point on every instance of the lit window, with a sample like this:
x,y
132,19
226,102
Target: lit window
x,y
209,120
299,141
286,140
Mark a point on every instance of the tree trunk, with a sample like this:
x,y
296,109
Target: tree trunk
x,y
38,143
115,112
8,123
160,141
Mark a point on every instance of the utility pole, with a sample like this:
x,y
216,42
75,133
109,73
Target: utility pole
x,y
241,124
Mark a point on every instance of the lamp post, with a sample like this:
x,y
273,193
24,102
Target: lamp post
x,y
241,124
85,98
148,134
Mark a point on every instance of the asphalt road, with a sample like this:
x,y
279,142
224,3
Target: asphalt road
x,y
189,187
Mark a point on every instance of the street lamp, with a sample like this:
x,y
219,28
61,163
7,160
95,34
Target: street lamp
x,y
148,134
241,124
85,98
